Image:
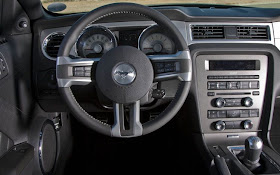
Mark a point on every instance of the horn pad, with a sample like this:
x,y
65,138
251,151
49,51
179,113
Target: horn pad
x,y
124,74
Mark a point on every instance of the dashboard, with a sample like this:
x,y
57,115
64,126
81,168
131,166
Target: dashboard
x,y
233,58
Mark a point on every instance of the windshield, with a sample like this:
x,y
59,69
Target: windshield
x,y
75,6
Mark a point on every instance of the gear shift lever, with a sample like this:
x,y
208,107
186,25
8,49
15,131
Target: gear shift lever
x,y
253,149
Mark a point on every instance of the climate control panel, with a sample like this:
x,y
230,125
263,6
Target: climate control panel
x,y
239,124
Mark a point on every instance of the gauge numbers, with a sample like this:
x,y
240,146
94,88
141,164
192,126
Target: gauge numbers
x,y
95,41
97,44
157,43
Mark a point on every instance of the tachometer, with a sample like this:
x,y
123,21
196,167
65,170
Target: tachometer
x,y
95,41
155,41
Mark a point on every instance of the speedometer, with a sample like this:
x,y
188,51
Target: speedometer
x,y
153,40
95,41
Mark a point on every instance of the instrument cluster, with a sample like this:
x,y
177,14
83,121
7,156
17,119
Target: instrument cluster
x,y
97,40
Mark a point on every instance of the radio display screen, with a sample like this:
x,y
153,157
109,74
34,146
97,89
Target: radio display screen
x,y
234,65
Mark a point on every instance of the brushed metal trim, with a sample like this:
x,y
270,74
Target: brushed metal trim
x,y
192,41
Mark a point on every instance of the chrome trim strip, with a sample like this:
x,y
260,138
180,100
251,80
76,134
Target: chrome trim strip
x,y
137,126
62,60
65,65
187,76
191,41
276,29
45,43
177,56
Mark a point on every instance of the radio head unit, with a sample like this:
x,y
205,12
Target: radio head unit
x,y
230,91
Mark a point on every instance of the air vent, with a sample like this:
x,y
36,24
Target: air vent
x,y
51,45
252,32
207,32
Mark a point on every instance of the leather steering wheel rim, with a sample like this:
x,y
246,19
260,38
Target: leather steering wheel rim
x,y
105,11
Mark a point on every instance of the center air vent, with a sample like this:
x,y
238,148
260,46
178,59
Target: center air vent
x,y
207,32
252,32
51,45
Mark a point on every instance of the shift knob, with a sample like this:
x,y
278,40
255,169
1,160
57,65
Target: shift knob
x,y
253,149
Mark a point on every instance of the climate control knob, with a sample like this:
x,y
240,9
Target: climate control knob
x,y
220,125
220,102
248,102
247,124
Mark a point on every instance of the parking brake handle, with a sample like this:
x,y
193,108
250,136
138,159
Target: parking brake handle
x,y
221,165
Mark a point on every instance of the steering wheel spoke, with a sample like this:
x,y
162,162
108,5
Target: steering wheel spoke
x,y
76,71
175,66
127,120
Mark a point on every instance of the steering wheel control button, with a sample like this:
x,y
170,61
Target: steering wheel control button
x,y
165,67
82,71
124,74
158,93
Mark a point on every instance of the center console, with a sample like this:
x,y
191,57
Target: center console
x,y
230,92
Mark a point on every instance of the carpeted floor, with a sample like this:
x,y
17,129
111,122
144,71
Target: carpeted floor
x,y
164,151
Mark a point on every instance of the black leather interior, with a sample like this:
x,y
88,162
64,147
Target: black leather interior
x,y
204,98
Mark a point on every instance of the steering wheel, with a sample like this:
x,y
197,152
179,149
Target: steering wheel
x,y
124,74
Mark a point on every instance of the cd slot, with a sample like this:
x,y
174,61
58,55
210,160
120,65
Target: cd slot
x,y
212,77
234,93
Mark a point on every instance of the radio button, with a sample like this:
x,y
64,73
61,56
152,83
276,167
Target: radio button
x,y
244,113
233,114
254,85
233,85
212,85
230,102
256,93
229,125
244,85
210,93
221,85
254,113
222,114
212,114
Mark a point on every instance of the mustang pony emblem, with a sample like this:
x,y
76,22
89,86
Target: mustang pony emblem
x,y
123,74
